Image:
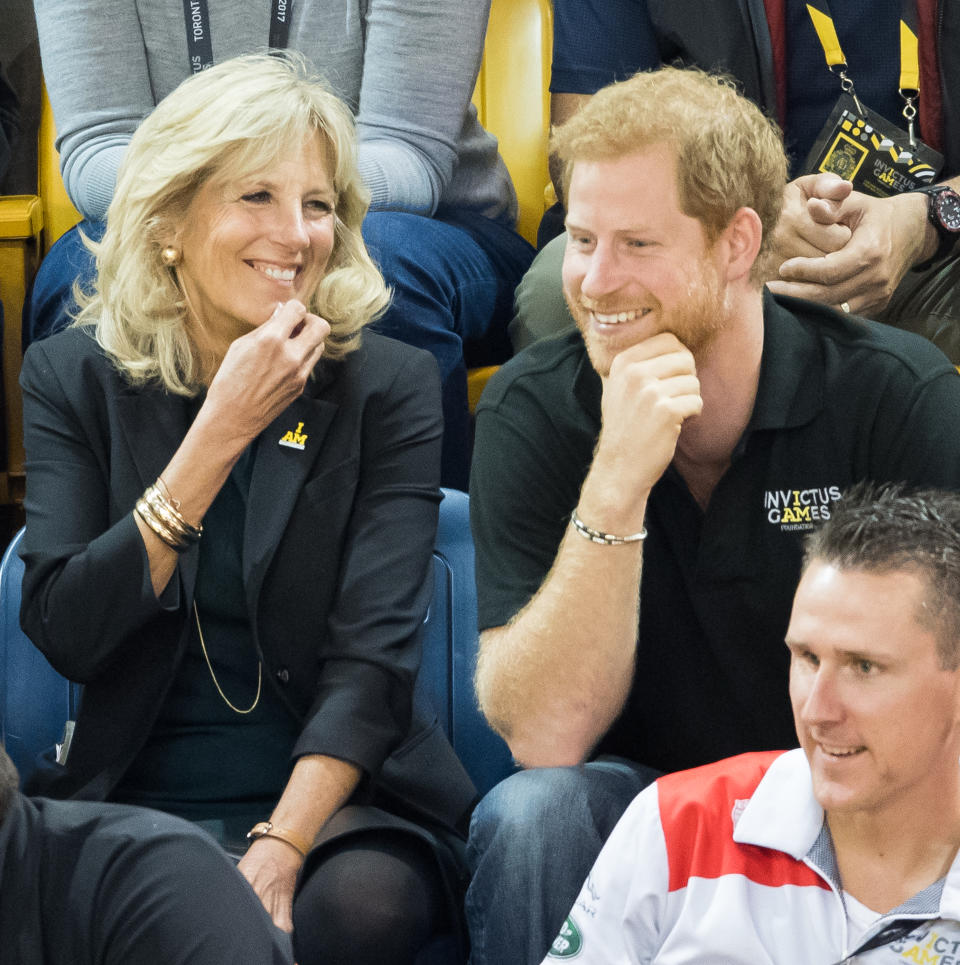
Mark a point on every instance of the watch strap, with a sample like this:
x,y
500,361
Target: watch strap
x,y
267,829
948,236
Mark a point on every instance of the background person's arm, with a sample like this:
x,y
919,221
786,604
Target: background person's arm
x,y
595,42
562,108
420,66
95,69
886,237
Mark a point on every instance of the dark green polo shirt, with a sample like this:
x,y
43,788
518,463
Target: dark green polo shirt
x,y
839,400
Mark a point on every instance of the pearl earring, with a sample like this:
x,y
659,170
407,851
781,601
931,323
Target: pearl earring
x,y
170,256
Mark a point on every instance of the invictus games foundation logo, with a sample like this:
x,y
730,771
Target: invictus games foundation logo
x,y
799,509
933,943
569,943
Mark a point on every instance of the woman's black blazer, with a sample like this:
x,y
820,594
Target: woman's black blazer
x,y
336,551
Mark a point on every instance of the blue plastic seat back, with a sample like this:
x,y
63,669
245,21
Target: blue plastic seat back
x,y
35,701
450,648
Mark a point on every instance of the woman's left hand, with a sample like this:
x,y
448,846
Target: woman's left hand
x,y
317,788
271,866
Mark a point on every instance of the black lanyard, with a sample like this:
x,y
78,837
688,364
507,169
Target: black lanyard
x,y
886,936
196,16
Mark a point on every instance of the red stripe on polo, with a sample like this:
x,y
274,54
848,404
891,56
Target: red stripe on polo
x,y
696,809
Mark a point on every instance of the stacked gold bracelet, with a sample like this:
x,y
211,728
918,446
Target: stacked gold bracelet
x,y
161,513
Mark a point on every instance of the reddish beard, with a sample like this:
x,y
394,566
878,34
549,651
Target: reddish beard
x,y
696,320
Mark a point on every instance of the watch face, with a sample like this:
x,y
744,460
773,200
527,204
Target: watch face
x,y
947,204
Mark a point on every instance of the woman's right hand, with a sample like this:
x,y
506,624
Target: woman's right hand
x,y
265,370
261,374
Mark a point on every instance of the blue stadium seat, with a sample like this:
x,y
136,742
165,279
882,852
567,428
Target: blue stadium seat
x,y
35,700
450,648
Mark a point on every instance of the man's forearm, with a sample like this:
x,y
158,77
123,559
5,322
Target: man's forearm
x,y
562,108
554,679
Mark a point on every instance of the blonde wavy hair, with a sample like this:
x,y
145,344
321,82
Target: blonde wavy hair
x,y
227,122
729,155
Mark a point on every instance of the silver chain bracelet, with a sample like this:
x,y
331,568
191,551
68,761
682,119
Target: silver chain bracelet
x,y
604,539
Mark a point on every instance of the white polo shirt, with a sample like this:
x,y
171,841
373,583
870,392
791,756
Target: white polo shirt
x,y
731,863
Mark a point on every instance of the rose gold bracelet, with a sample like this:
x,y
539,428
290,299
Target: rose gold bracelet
x,y
267,829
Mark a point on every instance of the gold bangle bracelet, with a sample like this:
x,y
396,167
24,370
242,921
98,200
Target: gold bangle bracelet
x,y
162,486
162,533
166,514
155,497
170,515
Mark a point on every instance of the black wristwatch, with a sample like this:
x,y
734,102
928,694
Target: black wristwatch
x,y
943,212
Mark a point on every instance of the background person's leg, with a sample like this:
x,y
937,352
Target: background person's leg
x,y
453,279
50,304
533,839
928,302
540,309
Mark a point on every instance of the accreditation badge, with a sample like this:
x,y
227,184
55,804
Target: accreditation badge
x,y
870,151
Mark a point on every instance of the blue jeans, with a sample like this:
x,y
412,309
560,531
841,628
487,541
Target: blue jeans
x,y
533,839
452,276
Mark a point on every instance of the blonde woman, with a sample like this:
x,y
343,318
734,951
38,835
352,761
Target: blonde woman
x,y
232,498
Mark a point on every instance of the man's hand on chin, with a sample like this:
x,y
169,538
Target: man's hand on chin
x,y
651,389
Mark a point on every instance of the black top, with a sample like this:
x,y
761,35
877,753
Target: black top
x,y
203,760
840,399
100,884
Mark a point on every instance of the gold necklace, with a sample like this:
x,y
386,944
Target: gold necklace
x,y
216,683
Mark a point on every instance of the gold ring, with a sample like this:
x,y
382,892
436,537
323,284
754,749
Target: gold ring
x,y
845,306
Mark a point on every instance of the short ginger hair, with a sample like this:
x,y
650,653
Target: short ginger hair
x,y
728,154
